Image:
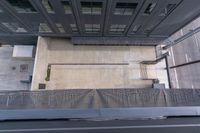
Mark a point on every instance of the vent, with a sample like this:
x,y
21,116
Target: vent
x,y
24,68
42,86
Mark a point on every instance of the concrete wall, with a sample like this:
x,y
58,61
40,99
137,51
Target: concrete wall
x,y
186,51
75,76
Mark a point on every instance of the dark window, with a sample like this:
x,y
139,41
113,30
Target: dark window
x,y
168,9
125,8
22,6
150,8
60,27
67,7
92,28
94,8
74,28
47,5
44,28
14,27
117,28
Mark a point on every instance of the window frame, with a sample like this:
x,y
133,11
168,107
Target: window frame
x,y
65,3
48,6
45,28
117,28
74,28
19,9
14,27
92,28
125,8
91,8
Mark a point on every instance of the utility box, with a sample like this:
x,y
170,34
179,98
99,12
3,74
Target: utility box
x,y
23,52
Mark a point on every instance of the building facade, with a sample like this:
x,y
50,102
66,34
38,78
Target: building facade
x,y
144,22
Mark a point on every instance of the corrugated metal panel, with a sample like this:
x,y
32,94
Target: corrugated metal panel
x,y
99,98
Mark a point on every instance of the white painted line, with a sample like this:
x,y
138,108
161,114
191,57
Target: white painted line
x,y
175,72
172,52
99,128
181,32
196,41
186,58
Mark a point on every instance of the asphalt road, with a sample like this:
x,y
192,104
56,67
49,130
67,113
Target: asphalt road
x,y
172,125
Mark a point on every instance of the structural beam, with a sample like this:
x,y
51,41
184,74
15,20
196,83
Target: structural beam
x,y
185,64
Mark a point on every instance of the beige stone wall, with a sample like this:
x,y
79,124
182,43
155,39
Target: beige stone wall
x,y
89,76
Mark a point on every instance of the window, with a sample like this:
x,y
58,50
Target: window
x,y
47,5
92,8
92,28
125,8
67,7
60,28
149,29
22,6
168,9
44,28
74,28
14,27
117,28
136,28
150,8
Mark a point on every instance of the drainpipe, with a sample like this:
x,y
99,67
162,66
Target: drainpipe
x,y
168,72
